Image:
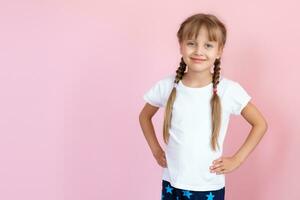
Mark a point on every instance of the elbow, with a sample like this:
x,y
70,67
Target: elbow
x,y
142,116
266,126
263,126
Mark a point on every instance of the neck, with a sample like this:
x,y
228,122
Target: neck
x,y
197,79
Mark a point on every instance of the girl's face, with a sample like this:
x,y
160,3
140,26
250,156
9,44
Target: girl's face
x,y
200,54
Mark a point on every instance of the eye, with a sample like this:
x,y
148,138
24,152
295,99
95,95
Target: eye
x,y
190,43
209,45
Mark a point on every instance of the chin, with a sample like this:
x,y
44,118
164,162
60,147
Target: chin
x,y
198,67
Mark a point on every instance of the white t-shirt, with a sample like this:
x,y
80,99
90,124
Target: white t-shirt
x,y
188,151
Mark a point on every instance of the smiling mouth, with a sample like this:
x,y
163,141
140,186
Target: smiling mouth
x,y
198,60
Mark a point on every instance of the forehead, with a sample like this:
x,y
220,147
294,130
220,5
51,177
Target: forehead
x,y
203,34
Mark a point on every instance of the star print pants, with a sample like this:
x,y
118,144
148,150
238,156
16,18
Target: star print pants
x,y
171,193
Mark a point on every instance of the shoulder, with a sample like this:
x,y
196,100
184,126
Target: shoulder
x,y
166,82
235,97
158,94
229,84
230,87
164,85
168,79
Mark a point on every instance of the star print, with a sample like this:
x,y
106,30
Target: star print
x,y
210,196
187,193
177,198
169,189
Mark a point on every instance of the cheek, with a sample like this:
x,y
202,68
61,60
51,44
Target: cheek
x,y
212,56
186,50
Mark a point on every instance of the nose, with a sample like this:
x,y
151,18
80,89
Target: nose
x,y
199,50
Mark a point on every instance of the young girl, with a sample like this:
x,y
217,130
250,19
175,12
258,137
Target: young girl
x,y
198,103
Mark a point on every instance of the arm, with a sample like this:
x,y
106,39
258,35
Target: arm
x,y
259,127
145,119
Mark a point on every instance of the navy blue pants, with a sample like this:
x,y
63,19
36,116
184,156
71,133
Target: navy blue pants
x,y
171,193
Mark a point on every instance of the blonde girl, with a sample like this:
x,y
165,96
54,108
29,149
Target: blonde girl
x,y
198,102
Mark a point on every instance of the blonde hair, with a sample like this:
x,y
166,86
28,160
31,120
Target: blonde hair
x,y
216,32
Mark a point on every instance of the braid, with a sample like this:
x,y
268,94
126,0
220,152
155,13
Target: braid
x,y
215,107
180,71
169,106
216,74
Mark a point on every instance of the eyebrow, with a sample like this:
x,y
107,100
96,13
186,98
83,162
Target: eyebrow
x,y
196,41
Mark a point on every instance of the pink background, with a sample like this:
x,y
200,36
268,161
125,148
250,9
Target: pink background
x,y
72,78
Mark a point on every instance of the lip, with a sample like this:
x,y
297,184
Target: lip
x,y
198,60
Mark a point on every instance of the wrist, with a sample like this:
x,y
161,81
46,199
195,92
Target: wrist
x,y
238,158
156,149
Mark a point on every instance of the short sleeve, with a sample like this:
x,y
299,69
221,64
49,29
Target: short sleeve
x,y
238,98
154,95
159,93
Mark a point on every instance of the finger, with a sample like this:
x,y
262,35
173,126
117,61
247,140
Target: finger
x,y
218,160
226,171
219,170
215,166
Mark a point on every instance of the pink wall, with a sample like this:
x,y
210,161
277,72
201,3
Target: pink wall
x,y
72,78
